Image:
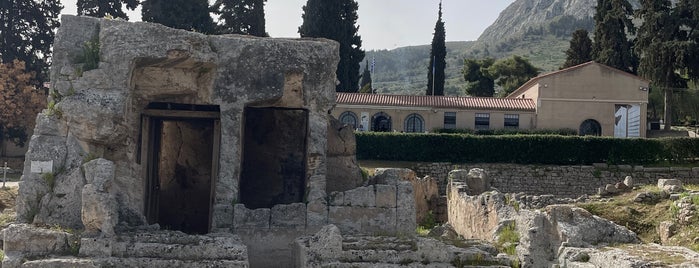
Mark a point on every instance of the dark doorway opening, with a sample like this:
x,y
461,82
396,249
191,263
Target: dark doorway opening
x,y
590,127
381,122
182,164
274,157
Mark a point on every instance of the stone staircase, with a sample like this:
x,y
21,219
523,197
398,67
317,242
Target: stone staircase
x,y
153,249
328,249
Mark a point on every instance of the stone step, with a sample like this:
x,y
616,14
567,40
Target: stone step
x,y
166,246
378,243
130,262
401,265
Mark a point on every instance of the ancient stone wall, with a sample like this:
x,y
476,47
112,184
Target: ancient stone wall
x,y
564,181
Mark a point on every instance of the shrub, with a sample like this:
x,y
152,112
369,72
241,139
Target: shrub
x,y
523,149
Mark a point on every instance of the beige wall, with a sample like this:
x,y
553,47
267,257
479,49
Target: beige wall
x,y
434,118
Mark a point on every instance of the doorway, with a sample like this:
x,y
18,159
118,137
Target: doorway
x,y
274,157
182,166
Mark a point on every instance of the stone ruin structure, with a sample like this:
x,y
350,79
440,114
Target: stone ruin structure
x,y
160,142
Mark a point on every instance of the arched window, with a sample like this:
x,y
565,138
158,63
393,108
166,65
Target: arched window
x,y
381,122
590,127
350,119
414,123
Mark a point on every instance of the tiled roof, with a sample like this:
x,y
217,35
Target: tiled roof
x,y
436,102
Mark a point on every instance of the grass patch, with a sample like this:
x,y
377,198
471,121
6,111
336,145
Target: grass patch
x,y
508,239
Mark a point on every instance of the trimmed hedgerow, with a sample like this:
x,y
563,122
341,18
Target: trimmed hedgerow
x,y
505,131
523,149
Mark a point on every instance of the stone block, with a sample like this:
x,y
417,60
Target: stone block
x,y
628,181
33,241
361,197
385,196
100,172
289,216
670,185
364,220
392,176
316,213
336,198
625,167
244,218
63,205
48,125
406,219
600,165
222,217
99,211
96,247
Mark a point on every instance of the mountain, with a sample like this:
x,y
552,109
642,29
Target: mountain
x,y
539,30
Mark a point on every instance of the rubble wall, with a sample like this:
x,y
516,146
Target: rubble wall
x,y
564,181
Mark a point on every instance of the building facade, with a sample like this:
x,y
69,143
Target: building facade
x,y
592,98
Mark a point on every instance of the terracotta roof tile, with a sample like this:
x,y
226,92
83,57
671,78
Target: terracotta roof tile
x,y
437,101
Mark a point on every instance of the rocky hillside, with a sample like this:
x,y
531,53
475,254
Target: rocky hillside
x,y
536,29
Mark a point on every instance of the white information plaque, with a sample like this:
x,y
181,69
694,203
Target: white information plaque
x,y
42,166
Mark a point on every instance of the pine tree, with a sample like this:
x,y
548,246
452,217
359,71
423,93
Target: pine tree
x,y
480,82
240,17
191,15
580,50
366,80
336,20
612,46
511,73
661,49
438,54
103,8
27,29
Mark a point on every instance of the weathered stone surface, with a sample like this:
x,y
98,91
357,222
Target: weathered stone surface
x,y
666,229
391,176
99,211
344,172
405,211
338,198
100,173
360,197
364,220
62,206
385,196
426,191
670,185
251,218
29,241
629,181
289,216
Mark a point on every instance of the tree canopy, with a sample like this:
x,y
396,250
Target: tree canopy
x,y
240,17
512,73
580,50
27,30
336,20
612,24
20,101
191,15
103,8
480,83
438,54
365,84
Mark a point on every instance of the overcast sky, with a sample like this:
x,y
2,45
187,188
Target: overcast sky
x,y
385,24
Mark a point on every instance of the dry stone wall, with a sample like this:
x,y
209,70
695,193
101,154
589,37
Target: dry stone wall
x,y
565,181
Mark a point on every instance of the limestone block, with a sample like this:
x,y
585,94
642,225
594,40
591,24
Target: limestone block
x,y
48,125
629,181
99,211
222,217
338,198
670,185
361,197
33,241
289,216
100,172
250,218
610,188
666,229
317,213
392,176
63,205
343,173
385,196
364,220
96,247
46,148
405,211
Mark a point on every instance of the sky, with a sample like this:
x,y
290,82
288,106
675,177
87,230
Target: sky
x,y
384,24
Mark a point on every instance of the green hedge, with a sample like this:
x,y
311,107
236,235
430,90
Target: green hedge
x,y
523,149
562,131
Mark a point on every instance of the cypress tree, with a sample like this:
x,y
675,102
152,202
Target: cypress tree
x,y
191,15
580,50
612,46
438,54
366,80
102,8
336,20
660,47
27,30
240,17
